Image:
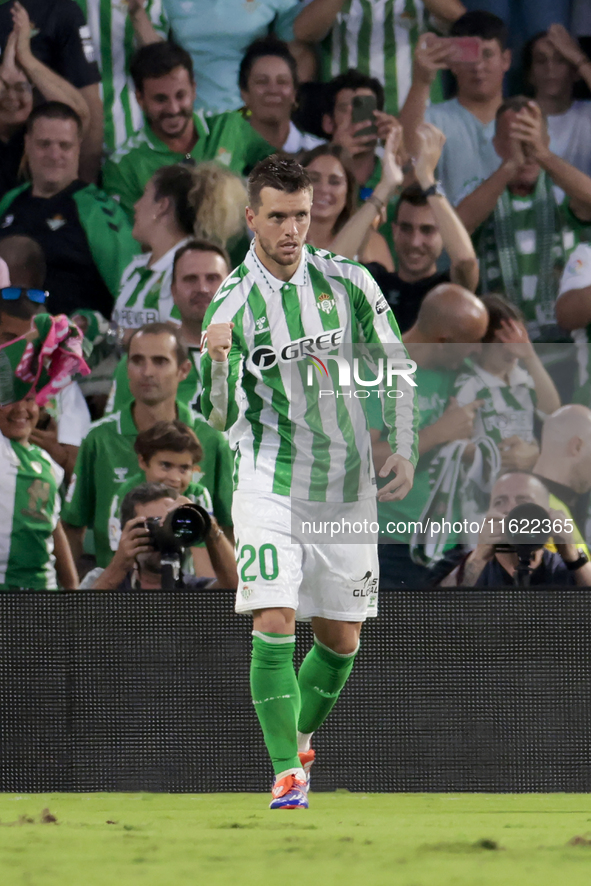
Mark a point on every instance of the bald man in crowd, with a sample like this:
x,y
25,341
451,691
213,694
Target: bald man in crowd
x,y
485,566
449,327
564,463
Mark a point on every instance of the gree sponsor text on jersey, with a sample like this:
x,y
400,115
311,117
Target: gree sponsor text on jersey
x,y
265,356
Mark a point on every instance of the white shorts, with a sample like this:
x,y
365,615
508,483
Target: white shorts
x,y
334,581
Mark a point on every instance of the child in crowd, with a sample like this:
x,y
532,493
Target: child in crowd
x,y
34,551
169,453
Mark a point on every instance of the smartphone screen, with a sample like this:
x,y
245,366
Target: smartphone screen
x,y
463,50
363,108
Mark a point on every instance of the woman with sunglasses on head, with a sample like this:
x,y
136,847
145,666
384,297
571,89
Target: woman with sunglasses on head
x,y
20,74
65,419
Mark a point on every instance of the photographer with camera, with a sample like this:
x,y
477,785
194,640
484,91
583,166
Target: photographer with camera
x,y
494,563
157,525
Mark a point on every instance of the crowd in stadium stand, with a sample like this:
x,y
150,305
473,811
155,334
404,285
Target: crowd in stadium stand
x,y
449,148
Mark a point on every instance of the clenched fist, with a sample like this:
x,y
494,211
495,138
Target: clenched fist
x,y
219,341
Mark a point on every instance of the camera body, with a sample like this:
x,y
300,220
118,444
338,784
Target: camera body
x,y
183,528
526,531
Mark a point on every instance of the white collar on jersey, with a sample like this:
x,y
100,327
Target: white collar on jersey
x,y
267,279
165,261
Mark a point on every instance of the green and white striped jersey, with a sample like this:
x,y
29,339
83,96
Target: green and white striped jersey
x,y
114,43
577,275
567,234
508,408
378,38
291,439
29,513
144,294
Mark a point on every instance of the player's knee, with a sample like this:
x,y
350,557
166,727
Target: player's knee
x,y
274,621
341,637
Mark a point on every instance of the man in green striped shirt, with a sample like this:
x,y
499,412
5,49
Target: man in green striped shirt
x,y
173,133
285,304
117,29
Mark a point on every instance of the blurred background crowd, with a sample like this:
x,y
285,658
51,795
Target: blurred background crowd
x,y
449,147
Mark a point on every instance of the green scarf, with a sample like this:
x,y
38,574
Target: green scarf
x,y
457,493
504,233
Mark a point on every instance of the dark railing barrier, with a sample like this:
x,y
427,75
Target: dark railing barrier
x,y
459,690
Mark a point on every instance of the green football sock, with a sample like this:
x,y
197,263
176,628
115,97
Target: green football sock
x,y
322,676
276,696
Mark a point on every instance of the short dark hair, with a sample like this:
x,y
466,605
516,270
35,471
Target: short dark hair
x,y
176,182
157,60
199,246
25,259
344,159
479,23
515,103
351,79
158,329
499,309
281,173
168,436
143,495
412,194
54,111
262,48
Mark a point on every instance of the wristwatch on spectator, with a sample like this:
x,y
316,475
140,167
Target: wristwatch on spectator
x,y
573,565
434,190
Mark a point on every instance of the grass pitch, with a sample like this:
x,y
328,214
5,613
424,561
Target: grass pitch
x,y
343,839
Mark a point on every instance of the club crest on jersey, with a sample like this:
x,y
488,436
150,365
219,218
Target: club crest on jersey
x,y
120,474
325,302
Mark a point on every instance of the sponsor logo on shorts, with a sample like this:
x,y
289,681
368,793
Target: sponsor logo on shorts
x,y
365,586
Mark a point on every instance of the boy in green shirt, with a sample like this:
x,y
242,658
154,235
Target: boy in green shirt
x,y
167,453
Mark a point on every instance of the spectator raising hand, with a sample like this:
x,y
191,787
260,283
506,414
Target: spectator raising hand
x,y
553,62
357,238
568,48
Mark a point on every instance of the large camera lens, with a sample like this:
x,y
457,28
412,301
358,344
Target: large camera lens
x,y
528,525
189,524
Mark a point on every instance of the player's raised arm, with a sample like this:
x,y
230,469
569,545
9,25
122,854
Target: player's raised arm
x,y
221,360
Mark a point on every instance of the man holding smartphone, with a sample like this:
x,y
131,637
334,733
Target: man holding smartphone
x,y
354,118
468,120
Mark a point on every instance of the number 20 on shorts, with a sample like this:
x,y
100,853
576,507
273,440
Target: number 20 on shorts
x,y
268,565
